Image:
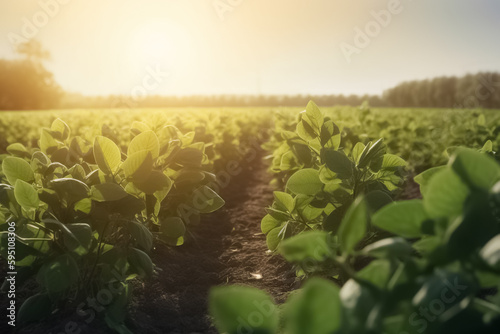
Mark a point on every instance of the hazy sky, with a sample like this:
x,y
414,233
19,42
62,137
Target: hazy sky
x,y
253,46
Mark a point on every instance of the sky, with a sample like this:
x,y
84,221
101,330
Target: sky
x,y
184,47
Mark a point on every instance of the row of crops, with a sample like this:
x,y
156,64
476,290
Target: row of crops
x,y
373,265
89,195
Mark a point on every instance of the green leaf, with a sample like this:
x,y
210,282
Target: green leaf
x,y
18,150
107,155
273,238
371,153
140,262
403,218
396,247
61,128
445,195
304,130
189,157
305,181
242,309
59,274
357,151
35,308
145,141
491,252
391,161
476,169
268,223
285,200
172,227
353,226
79,239
70,189
310,246
157,181
26,195
47,142
138,166
205,200
314,114
377,272
107,192
316,308
17,169
142,235
424,178
339,163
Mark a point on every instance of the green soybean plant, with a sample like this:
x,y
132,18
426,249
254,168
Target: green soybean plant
x,y
82,213
438,273
323,177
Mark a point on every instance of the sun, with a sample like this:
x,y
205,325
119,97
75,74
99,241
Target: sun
x,y
157,42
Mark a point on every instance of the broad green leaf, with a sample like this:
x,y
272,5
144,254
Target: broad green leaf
x,y
61,128
315,116
285,200
353,227
172,227
116,312
445,195
402,218
145,141
79,240
305,130
189,157
107,155
357,151
476,169
18,150
107,192
305,181
316,308
84,205
306,246
391,161
59,274
26,195
268,223
240,309
424,178
377,272
339,163
205,200
396,247
70,189
157,181
138,166
17,169
47,142
273,238
35,308
141,234
140,262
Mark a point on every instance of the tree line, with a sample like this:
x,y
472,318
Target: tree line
x,y
25,84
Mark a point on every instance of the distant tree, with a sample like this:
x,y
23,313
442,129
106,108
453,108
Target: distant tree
x,y
25,83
